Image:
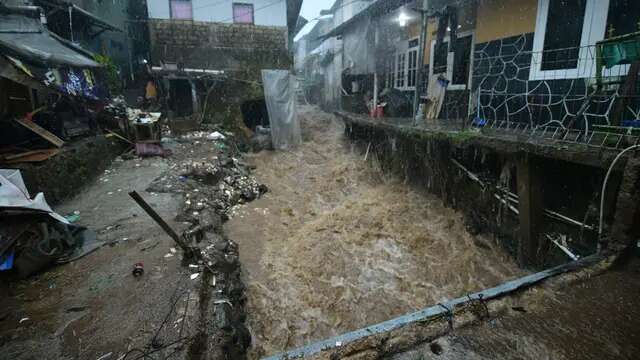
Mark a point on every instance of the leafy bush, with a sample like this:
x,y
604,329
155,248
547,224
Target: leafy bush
x,y
111,73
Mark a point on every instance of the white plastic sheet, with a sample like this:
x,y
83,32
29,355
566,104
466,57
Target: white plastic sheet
x,y
279,93
14,194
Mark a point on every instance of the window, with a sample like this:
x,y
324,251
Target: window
x,y
391,72
181,9
242,13
404,66
461,61
412,68
454,64
563,34
564,39
401,66
440,54
624,17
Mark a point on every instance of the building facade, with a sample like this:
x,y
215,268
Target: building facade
x,y
114,29
538,62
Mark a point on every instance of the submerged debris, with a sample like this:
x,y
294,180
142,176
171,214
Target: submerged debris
x,y
216,183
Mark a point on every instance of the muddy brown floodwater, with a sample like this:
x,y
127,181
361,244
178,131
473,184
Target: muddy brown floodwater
x,y
335,245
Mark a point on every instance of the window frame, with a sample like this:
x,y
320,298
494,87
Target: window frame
x,y
451,58
253,13
593,30
412,51
171,16
405,52
401,70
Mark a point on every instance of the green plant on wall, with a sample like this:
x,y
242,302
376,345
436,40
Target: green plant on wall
x,y
111,73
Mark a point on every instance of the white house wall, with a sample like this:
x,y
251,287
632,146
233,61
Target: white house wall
x,y
266,12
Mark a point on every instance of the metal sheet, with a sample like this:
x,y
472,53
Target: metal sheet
x,y
27,39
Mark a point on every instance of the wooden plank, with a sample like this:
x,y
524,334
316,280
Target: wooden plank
x,y
31,156
41,131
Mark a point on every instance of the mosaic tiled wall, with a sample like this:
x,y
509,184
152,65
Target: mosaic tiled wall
x,y
501,72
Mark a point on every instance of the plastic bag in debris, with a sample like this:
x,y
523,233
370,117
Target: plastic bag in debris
x,y
279,93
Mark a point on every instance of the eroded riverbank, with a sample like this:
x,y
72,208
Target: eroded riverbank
x,y
336,245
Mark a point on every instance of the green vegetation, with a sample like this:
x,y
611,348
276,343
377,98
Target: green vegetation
x,y
111,73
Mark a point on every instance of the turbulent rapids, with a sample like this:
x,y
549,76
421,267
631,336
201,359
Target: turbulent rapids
x,y
337,245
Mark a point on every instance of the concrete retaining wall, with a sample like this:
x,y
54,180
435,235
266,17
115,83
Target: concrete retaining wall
x,y
477,175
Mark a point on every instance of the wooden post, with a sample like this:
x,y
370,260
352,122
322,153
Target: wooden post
x,y
530,210
163,224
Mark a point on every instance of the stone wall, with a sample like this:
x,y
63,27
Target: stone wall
x,y
517,192
63,176
219,46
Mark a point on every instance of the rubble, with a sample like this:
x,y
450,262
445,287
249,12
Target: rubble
x,y
216,184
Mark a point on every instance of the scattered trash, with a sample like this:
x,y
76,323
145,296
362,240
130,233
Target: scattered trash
x,y
338,343
73,217
216,136
194,276
138,269
23,320
76,309
168,255
173,250
105,356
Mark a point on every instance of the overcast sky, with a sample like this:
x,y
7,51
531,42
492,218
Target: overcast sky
x,y
311,8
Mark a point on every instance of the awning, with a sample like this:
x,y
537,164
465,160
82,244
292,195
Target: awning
x,y
27,39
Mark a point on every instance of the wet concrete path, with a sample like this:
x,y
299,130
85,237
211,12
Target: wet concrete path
x,y
336,245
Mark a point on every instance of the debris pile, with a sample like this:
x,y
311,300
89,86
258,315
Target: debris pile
x,y
217,184
32,235
116,108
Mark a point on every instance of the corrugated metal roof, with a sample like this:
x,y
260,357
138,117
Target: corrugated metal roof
x,y
25,38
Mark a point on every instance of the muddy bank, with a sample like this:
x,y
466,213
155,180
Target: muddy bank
x,y
181,307
596,317
337,245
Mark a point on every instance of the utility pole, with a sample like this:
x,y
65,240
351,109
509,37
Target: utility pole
x,y
423,40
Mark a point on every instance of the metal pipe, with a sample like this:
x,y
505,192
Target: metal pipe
x,y
564,249
604,188
436,311
514,198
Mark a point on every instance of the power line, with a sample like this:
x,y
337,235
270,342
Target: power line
x,y
212,4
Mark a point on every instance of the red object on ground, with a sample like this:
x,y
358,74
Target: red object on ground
x,y
148,149
378,112
138,269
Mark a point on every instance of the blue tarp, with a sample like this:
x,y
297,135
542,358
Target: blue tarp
x,y
6,260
